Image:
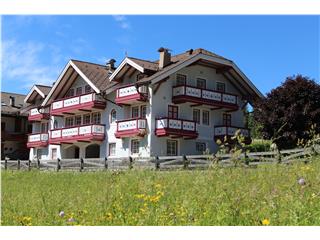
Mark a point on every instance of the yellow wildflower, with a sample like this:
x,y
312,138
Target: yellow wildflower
x,y
265,222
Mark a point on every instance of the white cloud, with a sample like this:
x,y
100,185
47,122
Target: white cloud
x,y
22,62
122,21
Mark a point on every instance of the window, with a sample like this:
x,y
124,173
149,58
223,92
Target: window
x,y
69,122
181,79
86,119
39,153
112,149
44,127
221,87
55,124
143,111
201,147
53,153
3,126
172,148
70,92
172,111
205,117
87,89
79,91
135,146
113,116
196,115
135,112
96,118
77,120
201,83
226,119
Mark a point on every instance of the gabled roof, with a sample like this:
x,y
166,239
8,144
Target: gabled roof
x,y
96,75
42,90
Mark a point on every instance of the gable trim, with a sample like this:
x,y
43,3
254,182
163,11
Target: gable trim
x,y
34,88
123,63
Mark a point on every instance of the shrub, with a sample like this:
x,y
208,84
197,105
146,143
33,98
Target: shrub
x,y
259,145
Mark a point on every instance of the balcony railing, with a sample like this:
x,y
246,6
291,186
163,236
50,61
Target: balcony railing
x,y
184,93
136,127
38,140
35,115
84,102
131,94
83,133
176,128
220,132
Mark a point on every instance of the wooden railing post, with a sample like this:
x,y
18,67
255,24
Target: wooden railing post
x,y
157,163
18,164
81,164
5,164
185,162
58,164
130,162
105,163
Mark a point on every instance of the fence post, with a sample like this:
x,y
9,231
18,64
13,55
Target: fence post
x,y
18,164
29,165
185,162
157,163
81,164
278,156
130,162
58,164
5,164
246,158
38,163
105,163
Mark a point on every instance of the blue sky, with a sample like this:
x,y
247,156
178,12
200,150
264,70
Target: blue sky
x,y
266,48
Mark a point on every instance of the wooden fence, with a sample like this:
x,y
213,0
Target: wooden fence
x,y
162,162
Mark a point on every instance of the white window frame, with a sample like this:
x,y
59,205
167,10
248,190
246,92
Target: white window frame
x,y
201,78
193,110
138,113
202,120
96,116
83,118
115,149
176,79
111,118
225,87
75,117
131,146
176,145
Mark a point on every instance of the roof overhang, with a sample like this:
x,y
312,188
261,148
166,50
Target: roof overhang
x,y
125,63
33,90
69,65
245,80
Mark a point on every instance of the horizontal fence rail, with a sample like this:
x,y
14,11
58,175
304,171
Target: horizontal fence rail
x,y
162,162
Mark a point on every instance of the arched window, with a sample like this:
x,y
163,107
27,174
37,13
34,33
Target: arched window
x,y
113,116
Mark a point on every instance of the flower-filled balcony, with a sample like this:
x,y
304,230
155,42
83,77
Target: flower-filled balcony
x,y
176,128
130,94
82,103
220,132
83,133
38,140
184,93
35,115
136,127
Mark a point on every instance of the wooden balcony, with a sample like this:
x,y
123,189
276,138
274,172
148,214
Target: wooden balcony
x,y
220,132
83,133
176,128
35,115
184,93
136,127
38,140
77,104
129,94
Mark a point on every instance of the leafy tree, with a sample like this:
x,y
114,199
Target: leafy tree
x,y
288,111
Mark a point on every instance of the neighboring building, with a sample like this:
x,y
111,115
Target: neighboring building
x,y
14,127
176,105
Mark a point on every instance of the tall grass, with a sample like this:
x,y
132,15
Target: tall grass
x,y
222,196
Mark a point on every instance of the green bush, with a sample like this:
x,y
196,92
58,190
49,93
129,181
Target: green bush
x,y
259,145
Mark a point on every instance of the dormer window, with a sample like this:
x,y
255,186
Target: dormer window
x,y
70,93
87,89
79,91
181,79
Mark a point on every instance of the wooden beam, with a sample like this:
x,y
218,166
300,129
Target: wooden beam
x,y
66,143
215,108
196,105
159,84
66,113
222,69
86,141
85,110
232,82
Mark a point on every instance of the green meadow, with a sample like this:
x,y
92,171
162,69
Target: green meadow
x,y
274,194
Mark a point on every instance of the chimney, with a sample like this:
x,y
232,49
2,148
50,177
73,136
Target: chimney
x,y
165,57
12,102
110,64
